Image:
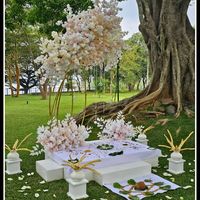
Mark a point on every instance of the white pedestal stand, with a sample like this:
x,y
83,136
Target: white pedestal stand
x,y
176,163
13,163
142,138
77,185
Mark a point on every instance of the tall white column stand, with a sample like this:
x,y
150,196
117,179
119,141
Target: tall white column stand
x,y
13,163
77,185
142,138
176,163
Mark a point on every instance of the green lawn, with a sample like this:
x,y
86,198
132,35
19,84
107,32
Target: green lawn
x,y
22,118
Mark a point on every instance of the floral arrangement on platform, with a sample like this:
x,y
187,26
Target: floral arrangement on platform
x,y
116,129
61,135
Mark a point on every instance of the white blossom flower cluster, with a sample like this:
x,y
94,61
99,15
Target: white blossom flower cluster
x,y
93,37
139,129
116,129
62,135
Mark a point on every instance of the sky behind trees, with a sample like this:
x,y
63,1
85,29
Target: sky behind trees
x,y
130,20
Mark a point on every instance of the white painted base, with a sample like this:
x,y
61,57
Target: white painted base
x,y
142,141
176,166
153,161
77,190
13,166
122,172
49,170
88,174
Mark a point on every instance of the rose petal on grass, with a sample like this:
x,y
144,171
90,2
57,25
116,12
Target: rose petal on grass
x,y
173,179
168,197
192,180
189,164
42,182
9,179
54,195
20,190
106,192
166,174
20,178
28,174
38,190
181,198
45,190
25,194
164,156
187,186
37,195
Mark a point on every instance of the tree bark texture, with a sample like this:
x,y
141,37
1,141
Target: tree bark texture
x,y
170,39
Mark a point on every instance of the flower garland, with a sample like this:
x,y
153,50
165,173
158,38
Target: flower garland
x,y
116,129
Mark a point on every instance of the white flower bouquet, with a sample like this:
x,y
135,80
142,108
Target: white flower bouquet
x,y
116,129
62,135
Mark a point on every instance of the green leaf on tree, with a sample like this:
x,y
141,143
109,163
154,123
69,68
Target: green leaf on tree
x,y
131,182
117,185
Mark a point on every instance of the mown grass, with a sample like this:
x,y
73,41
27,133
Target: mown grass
x,y
22,118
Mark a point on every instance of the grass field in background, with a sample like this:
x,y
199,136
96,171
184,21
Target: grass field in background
x,y
22,118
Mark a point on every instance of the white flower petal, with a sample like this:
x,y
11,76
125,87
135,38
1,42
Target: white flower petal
x,y
42,182
166,174
187,187
168,197
37,195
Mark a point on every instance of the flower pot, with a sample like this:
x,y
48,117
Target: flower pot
x,y
176,155
142,136
13,155
77,175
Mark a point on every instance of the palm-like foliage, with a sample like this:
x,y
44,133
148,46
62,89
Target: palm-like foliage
x,y
78,164
16,145
172,146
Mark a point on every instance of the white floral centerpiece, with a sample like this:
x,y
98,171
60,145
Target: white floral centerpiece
x,y
62,135
116,129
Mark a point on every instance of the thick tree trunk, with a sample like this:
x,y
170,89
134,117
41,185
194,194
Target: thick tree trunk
x,y
170,39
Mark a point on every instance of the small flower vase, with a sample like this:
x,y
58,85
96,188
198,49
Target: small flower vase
x,y
13,163
142,138
77,185
77,175
176,163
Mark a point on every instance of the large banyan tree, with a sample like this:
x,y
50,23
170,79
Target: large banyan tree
x,y
170,39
